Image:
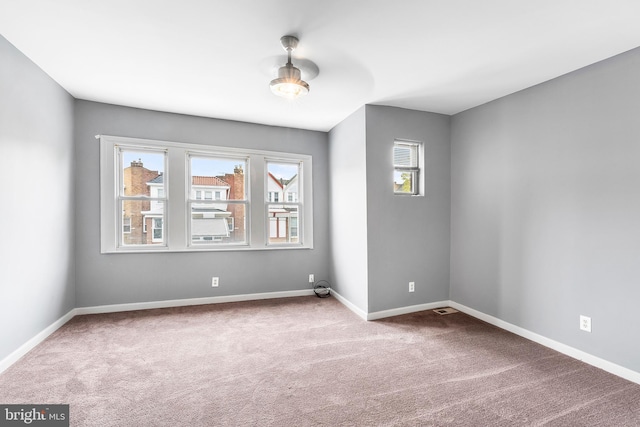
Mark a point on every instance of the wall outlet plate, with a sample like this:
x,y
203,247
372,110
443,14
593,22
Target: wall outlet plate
x,y
311,278
412,286
585,323
215,281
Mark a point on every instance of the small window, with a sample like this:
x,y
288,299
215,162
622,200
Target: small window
x,y
126,225
157,230
406,167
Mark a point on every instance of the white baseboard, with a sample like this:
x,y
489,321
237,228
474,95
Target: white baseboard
x,y
29,345
113,308
26,347
605,365
349,305
387,313
406,310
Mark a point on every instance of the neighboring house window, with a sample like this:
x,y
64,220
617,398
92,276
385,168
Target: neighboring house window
x,y
283,217
126,225
293,229
406,167
157,230
207,192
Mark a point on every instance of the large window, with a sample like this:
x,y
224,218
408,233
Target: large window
x,y
406,167
165,196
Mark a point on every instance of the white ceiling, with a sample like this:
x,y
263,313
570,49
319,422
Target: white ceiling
x,y
215,58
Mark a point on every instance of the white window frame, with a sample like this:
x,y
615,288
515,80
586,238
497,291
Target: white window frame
x,y
299,203
416,170
118,198
243,202
176,217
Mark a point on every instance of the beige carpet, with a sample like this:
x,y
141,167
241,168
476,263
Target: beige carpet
x,y
305,362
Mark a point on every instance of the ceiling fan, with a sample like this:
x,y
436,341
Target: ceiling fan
x,y
289,83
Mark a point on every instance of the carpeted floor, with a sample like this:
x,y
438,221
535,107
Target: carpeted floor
x,y
308,361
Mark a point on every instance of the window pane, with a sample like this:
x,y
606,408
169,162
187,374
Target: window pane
x,y
283,223
282,182
405,155
224,178
142,173
283,192
404,182
218,223
143,222
214,181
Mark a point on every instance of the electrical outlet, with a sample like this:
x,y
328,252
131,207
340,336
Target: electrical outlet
x,y
215,281
311,279
412,286
585,323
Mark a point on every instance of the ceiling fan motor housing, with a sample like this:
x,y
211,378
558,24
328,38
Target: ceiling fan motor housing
x,y
289,43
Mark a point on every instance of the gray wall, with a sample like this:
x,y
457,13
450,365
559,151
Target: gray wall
x,y
380,242
37,197
348,183
127,278
546,208
408,237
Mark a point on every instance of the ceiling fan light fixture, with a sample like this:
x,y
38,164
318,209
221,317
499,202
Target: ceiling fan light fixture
x,y
289,83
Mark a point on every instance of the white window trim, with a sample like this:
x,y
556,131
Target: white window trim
x,y
299,204
176,233
246,160
418,170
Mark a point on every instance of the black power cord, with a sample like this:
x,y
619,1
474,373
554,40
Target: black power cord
x,y
322,288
